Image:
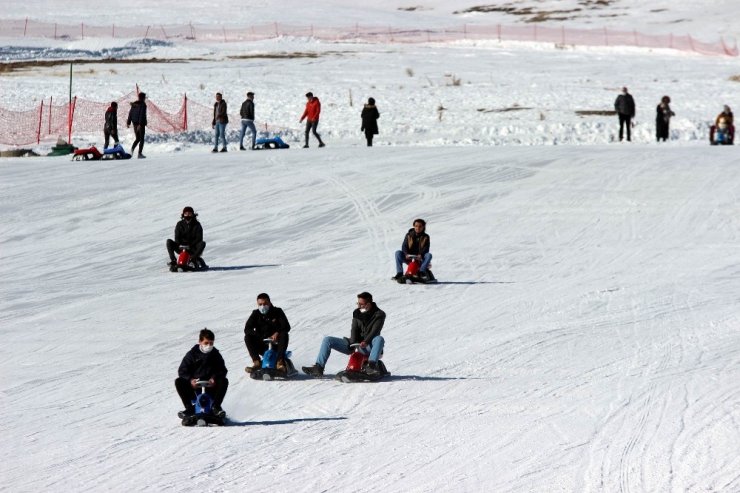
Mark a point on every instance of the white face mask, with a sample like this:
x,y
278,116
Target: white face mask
x,y
206,348
363,310
264,309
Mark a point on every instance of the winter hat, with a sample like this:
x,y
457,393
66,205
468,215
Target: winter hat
x,y
309,94
190,210
371,101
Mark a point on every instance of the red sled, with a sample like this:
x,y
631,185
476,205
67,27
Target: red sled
x,y
89,154
356,370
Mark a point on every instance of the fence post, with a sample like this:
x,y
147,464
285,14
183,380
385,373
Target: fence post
x,y
25,27
55,30
114,31
277,35
224,29
534,26
562,35
51,107
691,43
71,119
41,115
185,122
498,30
146,34
634,33
606,37
163,31
82,30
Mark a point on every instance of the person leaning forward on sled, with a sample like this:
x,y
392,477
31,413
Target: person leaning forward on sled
x,y
188,235
367,322
415,243
266,322
202,362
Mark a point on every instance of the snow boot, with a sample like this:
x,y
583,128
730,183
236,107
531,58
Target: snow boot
x,y
315,371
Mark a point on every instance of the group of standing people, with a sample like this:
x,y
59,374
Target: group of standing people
x,y
624,105
136,116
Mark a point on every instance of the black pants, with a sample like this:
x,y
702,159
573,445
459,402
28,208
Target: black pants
x,y
257,347
108,134
187,393
139,132
195,251
661,130
625,120
311,126
369,137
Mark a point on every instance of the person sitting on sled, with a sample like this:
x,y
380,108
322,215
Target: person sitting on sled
x,y
266,322
202,362
367,322
189,235
416,242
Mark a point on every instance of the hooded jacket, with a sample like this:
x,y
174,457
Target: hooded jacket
x,y
219,112
625,105
266,325
414,244
370,117
189,234
111,120
365,326
202,366
137,114
313,110
247,110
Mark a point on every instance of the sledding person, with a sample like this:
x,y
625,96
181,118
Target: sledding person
x,y
723,130
663,118
266,322
220,119
367,322
188,235
247,114
137,116
202,362
370,117
110,128
415,243
311,115
625,107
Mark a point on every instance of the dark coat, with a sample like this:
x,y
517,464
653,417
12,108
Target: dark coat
x,y
625,105
202,366
370,117
188,234
219,112
247,110
414,244
365,326
137,114
266,325
111,120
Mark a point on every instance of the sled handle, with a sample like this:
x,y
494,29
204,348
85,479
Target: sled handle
x,y
203,383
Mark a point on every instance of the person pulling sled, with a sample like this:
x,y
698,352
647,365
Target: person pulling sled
x,y
202,383
367,322
415,252
188,243
266,338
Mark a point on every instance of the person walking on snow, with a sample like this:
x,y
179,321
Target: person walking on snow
x,y
202,362
247,114
266,322
311,115
220,119
663,118
370,117
110,128
137,116
625,107
367,322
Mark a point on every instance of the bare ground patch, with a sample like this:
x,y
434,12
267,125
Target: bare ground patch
x,y
735,78
16,66
534,14
515,107
596,112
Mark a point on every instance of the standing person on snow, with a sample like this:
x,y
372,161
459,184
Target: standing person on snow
x,y
416,242
220,119
110,128
311,115
266,322
247,114
202,362
188,235
625,107
137,116
370,117
663,118
367,322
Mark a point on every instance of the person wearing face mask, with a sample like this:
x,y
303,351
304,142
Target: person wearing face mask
x,y
415,244
188,235
367,322
202,362
266,322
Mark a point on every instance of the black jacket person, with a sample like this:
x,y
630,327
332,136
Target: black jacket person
x,y
202,362
266,322
188,234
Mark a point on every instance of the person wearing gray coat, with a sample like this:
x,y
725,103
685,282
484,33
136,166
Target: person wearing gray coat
x,y
247,114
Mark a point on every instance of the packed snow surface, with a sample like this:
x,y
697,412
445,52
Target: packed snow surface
x,y
584,332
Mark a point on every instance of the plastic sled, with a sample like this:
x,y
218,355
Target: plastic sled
x,y
270,143
89,154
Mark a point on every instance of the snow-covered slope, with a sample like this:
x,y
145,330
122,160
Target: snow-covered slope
x,y
583,336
